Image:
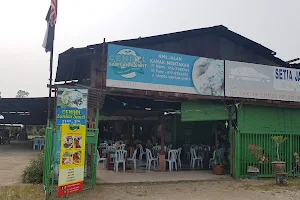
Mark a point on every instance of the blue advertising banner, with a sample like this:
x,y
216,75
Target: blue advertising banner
x,y
71,106
136,68
71,110
70,116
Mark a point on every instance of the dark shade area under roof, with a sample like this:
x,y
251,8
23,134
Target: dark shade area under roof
x,y
28,111
130,106
33,111
72,62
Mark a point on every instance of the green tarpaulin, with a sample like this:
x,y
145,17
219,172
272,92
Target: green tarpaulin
x,y
204,111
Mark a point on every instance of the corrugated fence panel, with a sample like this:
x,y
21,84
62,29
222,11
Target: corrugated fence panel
x,y
258,119
295,121
257,124
286,151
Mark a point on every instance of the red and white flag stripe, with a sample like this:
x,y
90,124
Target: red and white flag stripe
x,y
53,12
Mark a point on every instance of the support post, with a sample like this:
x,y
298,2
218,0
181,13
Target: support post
x,y
50,85
162,161
215,130
230,140
238,158
131,139
96,148
175,130
25,133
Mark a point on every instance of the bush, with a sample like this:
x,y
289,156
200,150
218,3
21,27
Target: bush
x,y
34,172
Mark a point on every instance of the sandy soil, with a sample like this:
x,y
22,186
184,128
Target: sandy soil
x,y
214,190
14,158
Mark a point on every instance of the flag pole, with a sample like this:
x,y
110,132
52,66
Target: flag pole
x,y
50,84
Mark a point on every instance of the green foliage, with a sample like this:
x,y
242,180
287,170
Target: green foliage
x,y
257,153
278,140
22,94
34,172
219,159
36,130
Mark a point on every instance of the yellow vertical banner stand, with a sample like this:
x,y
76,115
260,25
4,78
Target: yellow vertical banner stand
x,y
72,157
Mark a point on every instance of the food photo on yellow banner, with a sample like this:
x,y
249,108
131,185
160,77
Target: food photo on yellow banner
x,y
72,154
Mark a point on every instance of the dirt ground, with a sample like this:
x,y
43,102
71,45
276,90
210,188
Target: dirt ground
x,y
14,158
213,190
205,190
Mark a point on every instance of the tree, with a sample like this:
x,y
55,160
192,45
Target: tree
x,y
22,94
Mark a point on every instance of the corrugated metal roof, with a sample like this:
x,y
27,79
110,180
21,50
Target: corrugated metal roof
x,y
75,63
220,30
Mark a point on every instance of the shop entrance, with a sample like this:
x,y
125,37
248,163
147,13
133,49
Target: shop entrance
x,y
210,127
142,127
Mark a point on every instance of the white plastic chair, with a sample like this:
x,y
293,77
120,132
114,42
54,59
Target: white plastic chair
x,y
120,158
195,158
169,147
133,159
142,152
122,147
150,159
36,143
179,157
172,159
42,143
99,158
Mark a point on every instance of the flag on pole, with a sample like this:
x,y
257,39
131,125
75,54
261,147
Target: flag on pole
x,y
51,21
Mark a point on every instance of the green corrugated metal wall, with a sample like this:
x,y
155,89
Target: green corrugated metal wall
x,y
260,119
256,125
203,111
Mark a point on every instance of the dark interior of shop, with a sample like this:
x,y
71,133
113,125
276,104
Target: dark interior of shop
x,y
138,121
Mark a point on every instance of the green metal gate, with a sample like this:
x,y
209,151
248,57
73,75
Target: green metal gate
x,y
286,150
90,158
50,178
256,125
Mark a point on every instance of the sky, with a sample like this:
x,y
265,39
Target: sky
x,y
24,65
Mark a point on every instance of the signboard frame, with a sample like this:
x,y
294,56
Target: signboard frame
x,y
256,81
144,69
71,113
